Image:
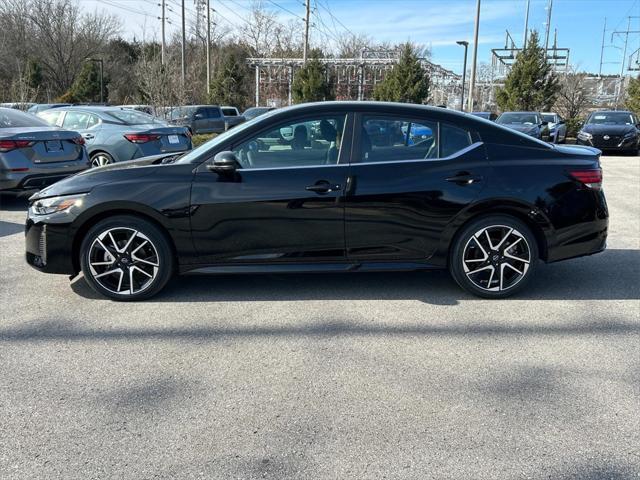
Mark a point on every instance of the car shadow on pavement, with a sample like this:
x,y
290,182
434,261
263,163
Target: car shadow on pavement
x,y
10,228
611,275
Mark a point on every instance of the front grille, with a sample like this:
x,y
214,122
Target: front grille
x,y
612,141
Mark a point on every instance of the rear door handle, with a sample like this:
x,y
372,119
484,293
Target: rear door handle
x,y
464,178
322,187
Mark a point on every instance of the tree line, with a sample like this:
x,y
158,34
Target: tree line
x,y
51,50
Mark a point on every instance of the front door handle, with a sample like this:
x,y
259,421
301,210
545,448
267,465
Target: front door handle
x,y
464,178
322,187
88,136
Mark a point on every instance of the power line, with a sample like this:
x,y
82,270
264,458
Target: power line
x,y
285,9
327,9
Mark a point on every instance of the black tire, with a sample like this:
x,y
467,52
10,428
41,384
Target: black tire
x,y
469,255
142,257
99,159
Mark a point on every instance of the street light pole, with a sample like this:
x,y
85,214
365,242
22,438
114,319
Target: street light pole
x,y
465,44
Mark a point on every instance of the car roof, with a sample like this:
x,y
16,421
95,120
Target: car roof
x,y
612,111
521,111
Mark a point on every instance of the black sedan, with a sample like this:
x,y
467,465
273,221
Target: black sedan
x,y
616,131
305,189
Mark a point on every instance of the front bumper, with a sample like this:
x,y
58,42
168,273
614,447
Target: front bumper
x,y
625,145
21,181
48,247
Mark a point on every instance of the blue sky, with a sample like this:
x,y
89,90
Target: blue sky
x,y
435,23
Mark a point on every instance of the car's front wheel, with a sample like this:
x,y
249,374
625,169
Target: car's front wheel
x,y
126,258
494,256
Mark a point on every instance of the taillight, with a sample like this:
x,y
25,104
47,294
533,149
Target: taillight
x,y
141,137
7,145
79,140
590,178
188,133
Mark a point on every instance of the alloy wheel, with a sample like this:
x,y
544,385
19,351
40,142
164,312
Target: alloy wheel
x,y
100,160
496,258
123,260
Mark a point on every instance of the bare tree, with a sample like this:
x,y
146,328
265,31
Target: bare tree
x,y
260,29
573,97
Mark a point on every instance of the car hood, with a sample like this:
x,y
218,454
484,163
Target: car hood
x,y
608,129
86,180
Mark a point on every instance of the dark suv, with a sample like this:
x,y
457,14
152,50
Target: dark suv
x,y
199,118
311,188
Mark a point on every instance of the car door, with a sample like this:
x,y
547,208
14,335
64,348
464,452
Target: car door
x,y
84,123
405,186
285,202
201,121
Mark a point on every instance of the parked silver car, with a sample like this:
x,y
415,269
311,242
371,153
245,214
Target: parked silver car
x,y
34,154
199,118
41,107
115,134
556,125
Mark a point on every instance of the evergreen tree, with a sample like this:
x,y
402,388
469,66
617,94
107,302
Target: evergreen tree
x,y
86,87
310,83
531,84
407,81
633,95
228,86
33,75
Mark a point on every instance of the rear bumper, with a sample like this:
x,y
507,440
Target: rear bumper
x,y
20,181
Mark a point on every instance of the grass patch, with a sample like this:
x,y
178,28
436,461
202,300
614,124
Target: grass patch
x,y
199,139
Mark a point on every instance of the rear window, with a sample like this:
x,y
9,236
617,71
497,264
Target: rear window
x,y
229,112
132,117
10,118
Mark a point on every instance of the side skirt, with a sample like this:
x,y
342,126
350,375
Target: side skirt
x,y
306,268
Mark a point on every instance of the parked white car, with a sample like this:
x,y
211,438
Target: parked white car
x,y
557,127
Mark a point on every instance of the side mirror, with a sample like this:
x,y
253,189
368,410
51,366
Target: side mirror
x,y
198,116
224,163
561,122
544,124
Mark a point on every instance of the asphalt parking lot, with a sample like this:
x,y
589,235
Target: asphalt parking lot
x,y
328,376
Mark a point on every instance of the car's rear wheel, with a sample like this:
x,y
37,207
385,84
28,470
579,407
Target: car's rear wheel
x,y
494,256
126,258
100,159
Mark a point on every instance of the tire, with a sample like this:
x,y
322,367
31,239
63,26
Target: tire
x,y
136,252
99,159
472,251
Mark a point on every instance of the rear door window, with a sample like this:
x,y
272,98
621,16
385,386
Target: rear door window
x,y
386,139
76,120
52,117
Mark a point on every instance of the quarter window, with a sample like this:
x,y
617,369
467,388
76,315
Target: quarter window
x,y
306,142
453,139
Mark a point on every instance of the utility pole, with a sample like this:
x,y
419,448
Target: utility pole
x,y
526,27
208,49
465,44
472,84
184,65
163,18
604,32
305,50
624,59
548,26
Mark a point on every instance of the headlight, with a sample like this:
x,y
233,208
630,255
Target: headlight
x,y
584,135
47,206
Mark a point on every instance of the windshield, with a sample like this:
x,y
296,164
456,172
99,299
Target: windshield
x,y
195,154
180,112
132,117
10,118
549,117
610,118
525,118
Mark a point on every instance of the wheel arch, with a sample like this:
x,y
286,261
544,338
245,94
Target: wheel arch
x,y
530,215
93,217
